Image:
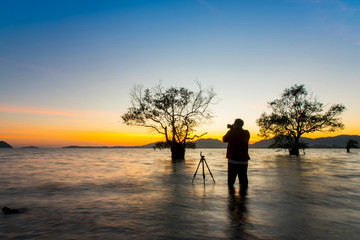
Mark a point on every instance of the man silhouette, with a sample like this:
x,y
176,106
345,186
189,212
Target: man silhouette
x,y
237,153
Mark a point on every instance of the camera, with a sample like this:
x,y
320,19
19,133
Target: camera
x,y
230,126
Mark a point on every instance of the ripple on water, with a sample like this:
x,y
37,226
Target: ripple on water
x,y
139,193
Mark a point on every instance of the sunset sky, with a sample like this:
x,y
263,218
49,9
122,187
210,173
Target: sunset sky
x,y
66,67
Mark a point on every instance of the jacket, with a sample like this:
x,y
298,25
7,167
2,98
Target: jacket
x,y
238,144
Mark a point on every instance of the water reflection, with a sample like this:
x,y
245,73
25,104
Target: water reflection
x,y
139,194
238,213
184,210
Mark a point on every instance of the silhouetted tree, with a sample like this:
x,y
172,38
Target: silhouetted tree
x,y
287,142
173,112
351,143
295,114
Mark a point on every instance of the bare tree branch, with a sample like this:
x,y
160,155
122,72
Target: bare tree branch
x,y
173,112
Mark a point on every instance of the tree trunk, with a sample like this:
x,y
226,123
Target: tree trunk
x,y
295,149
177,151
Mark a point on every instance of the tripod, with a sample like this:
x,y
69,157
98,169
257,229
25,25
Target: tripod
x,y
202,161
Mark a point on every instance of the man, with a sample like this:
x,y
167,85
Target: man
x,y
237,153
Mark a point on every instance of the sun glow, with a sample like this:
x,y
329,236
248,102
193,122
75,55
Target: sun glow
x,y
58,138
24,126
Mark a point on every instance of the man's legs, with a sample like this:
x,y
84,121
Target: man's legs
x,y
232,172
243,179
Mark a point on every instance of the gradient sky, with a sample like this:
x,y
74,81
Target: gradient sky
x,y
66,67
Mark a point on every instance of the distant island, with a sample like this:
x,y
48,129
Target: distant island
x,y
5,145
29,147
325,142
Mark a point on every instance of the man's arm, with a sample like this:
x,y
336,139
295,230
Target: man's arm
x,y
226,136
247,135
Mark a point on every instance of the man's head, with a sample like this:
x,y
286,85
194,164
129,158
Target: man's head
x,y
238,123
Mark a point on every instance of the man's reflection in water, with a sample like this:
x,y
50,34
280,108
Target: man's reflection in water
x,y
238,213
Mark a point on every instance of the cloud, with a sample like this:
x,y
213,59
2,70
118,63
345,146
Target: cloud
x,y
203,2
345,7
31,67
341,5
208,5
22,109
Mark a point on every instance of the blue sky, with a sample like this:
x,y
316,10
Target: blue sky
x,y
84,57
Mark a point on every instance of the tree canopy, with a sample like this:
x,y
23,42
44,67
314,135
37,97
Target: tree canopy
x,y
297,113
351,143
174,112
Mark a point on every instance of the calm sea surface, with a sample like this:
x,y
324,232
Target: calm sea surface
x,y
141,194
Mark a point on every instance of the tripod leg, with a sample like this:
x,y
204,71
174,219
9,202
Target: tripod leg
x,y
209,170
196,172
203,169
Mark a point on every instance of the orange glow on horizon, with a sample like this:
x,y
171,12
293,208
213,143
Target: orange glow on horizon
x,y
20,137
59,138
59,132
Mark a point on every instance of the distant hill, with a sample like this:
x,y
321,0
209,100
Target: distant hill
x,y
210,143
5,145
150,145
200,143
325,142
262,143
87,147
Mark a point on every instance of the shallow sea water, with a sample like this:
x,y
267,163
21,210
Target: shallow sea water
x,y
142,194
